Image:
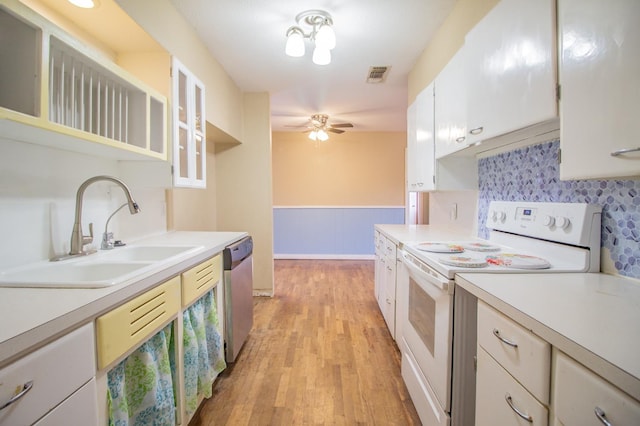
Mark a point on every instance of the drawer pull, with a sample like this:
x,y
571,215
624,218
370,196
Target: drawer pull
x,y
601,416
624,151
476,131
527,417
25,388
496,333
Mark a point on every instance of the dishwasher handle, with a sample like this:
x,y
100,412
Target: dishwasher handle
x,y
235,253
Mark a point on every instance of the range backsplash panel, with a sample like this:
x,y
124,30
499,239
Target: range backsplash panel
x,y
533,174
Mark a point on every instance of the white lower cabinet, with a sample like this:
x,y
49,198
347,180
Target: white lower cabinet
x,y
81,407
513,374
581,397
386,281
501,400
47,377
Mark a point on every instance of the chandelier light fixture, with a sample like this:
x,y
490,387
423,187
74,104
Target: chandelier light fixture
x,y
319,30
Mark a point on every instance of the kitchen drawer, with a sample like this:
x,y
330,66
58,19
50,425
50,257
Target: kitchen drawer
x,y
423,397
56,371
130,324
529,361
495,386
200,279
390,249
82,407
578,391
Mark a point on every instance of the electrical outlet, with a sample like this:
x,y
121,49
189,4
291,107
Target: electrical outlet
x,y
453,212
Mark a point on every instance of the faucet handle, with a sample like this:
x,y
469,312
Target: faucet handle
x,y
87,239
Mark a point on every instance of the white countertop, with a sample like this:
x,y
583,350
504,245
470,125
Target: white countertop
x,y
31,317
403,234
593,318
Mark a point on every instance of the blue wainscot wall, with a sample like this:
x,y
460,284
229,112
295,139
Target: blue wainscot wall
x,y
329,232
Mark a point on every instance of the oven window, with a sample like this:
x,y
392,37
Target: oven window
x,y
422,314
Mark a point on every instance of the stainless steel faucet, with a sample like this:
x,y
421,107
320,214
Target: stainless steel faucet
x,y
78,240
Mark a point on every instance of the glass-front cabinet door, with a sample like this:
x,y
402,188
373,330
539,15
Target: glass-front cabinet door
x,y
189,137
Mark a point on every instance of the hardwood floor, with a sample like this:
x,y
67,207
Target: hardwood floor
x,y
319,353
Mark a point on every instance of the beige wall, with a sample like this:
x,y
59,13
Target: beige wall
x,y
163,22
446,42
351,169
243,187
238,194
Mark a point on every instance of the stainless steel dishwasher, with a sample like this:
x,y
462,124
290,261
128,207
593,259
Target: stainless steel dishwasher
x,y
238,295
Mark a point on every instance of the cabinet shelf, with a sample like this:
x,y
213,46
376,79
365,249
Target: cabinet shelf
x,y
59,93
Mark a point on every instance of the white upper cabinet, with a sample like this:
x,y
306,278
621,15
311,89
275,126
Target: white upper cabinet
x,y
420,142
511,69
600,88
189,138
451,107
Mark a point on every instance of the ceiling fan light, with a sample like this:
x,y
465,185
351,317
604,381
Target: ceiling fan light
x,y
295,43
321,56
326,37
322,135
313,135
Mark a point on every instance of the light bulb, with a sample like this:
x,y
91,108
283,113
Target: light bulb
x,y
322,135
295,43
85,4
313,135
326,37
321,56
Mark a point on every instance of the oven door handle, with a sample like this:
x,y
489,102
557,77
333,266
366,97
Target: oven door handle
x,y
427,274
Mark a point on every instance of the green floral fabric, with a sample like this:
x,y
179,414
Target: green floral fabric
x,y
203,350
141,387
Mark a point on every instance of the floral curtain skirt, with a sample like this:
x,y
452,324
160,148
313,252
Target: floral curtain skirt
x,y
142,387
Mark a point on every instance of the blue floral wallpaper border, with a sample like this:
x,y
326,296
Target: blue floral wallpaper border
x,y
533,174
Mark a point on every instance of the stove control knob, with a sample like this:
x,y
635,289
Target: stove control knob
x,y
562,222
548,221
497,216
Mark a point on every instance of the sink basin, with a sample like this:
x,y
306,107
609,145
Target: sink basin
x,y
102,269
147,253
84,274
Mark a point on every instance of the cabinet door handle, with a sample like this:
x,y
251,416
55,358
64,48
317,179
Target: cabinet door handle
x,y
476,131
25,388
624,151
460,139
511,343
601,416
525,416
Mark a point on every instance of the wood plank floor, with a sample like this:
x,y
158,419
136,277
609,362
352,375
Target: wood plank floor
x,y
319,353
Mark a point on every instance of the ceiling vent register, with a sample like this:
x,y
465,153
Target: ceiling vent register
x,y
377,74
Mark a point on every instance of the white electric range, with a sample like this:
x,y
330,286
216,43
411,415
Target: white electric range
x,y
438,324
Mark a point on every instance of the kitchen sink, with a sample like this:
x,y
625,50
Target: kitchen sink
x,y
102,269
147,253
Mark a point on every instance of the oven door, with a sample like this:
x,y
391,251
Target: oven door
x,y
427,325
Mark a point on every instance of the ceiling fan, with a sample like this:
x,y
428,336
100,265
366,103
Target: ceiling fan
x,y
319,125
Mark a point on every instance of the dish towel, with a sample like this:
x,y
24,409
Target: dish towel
x,y
141,387
203,350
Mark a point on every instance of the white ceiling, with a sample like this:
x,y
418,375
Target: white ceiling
x,y
247,37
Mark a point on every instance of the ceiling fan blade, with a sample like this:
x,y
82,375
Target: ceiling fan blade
x,y
342,125
330,129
